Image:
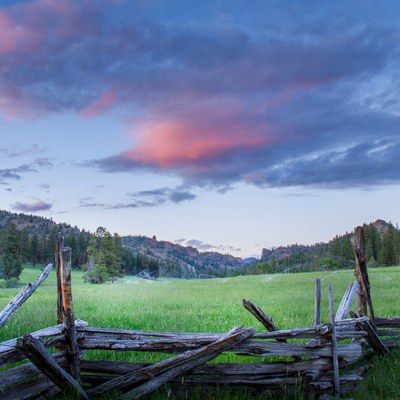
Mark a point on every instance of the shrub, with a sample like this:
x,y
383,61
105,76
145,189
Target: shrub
x,y
97,274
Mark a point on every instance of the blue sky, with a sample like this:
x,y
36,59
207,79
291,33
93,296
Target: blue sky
x,y
218,124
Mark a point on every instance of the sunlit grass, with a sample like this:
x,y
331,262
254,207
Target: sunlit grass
x,y
194,306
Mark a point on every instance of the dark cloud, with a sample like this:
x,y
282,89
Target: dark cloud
x,y
156,197
32,207
281,96
16,173
145,198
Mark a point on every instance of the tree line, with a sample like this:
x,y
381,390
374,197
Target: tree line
x,y
103,257
381,249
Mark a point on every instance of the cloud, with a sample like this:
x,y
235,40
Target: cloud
x,y
16,150
156,197
16,173
32,207
145,198
203,246
100,105
307,96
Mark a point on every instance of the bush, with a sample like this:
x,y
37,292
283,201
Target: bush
x,y
97,274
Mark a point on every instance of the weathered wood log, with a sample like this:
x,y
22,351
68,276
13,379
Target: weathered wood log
x,y
178,364
372,337
57,257
25,372
67,309
12,307
252,348
317,302
347,301
265,319
393,322
35,351
388,332
361,274
297,333
335,355
10,354
194,359
258,368
42,388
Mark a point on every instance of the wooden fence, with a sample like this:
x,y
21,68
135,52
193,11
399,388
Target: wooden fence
x,y
324,359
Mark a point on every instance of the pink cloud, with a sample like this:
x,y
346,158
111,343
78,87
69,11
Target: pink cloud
x,y
100,105
15,37
174,144
24,28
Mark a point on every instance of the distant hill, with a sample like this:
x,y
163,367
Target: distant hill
x,y
170,259
163,253
187,257
34,224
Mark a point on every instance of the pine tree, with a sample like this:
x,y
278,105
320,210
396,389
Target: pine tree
x,y
387,254
11,259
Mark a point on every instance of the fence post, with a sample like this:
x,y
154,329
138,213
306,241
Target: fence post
x,y
335,360
317,302
361,274
57,261
65,306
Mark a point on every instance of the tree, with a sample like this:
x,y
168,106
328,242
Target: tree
x,y
11,259
387,254
105,254
34,256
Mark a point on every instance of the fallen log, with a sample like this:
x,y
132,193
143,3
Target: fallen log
x,y
250,348
257,368
25,372
372,337
175,366
35,351
265,319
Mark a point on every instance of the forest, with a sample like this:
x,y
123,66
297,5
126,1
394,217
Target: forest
x,y
103,256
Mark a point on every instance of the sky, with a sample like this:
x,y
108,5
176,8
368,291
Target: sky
x,y
226,125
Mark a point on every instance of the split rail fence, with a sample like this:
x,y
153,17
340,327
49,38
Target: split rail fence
x,y
323,359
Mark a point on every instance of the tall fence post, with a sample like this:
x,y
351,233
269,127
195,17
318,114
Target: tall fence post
x,y
361,274
65,311
57,261
317,302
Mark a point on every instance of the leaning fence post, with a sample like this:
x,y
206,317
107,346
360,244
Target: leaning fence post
x,y
67,309
57,261
335,359
317,302
361,274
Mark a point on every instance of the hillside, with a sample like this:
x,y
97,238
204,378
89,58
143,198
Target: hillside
x,y
34,224
187,258
173,259
163,258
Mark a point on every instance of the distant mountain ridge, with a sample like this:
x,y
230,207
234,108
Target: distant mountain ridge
x,y
189,259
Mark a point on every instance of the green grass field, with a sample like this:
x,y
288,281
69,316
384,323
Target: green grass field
x,y
207,306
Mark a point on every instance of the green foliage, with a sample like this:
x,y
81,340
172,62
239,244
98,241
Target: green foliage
x,y
11,260
328,263
97,274
105,255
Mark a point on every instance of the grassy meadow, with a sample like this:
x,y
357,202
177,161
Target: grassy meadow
x,y
206,306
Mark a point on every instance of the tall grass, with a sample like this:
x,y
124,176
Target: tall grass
x,y
198,306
